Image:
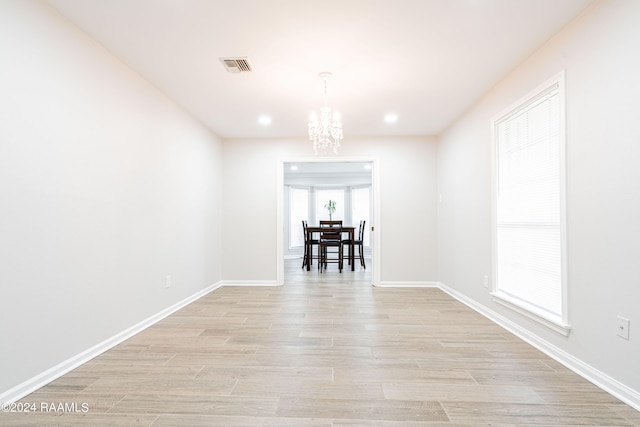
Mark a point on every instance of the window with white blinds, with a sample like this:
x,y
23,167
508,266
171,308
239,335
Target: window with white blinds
x,y
360,211
298,211
529,205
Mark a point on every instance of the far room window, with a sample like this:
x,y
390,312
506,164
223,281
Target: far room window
x,y
361,207
529,226
322,198
299,211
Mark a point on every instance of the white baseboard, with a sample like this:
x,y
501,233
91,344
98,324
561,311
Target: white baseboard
x,y
249,283
406,284
44,378
610,385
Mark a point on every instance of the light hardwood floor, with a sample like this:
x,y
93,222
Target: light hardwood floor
x,y
325,350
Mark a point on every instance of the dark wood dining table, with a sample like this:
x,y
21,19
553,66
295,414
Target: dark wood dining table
x,y
348,229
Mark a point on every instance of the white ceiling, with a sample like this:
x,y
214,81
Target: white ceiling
x,y
425,60
332,169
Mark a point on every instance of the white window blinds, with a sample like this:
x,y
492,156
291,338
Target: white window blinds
x,y
361,208
528,221
298,211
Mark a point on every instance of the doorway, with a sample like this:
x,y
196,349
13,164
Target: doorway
x,y
302,186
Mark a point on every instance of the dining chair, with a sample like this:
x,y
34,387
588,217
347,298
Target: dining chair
x,y
309,243
330,238
357,243
330,223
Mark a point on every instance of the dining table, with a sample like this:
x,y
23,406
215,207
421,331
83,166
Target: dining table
x,y
346,229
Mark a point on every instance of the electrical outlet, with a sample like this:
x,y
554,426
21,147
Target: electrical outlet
x,y
623,327
167,281
486,281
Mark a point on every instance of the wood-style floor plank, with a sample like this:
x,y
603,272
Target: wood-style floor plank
x,y
324,351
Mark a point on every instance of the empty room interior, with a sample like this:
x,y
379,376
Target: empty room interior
x,y
338,213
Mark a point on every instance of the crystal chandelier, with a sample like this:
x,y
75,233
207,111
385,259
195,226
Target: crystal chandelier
x,y
325,132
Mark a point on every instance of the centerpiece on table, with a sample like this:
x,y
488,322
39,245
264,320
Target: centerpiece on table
x,y
331,207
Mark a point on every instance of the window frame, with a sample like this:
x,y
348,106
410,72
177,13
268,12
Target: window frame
x,y
558,324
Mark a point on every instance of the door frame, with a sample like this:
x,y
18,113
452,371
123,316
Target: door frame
x,y
375,194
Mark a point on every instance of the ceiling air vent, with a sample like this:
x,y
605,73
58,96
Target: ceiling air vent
x,y
237,64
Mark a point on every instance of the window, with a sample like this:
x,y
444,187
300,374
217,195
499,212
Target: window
x,y
323,196
299,211
529,224
360,208
353,203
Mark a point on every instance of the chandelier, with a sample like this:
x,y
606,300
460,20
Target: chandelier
x,y
325,132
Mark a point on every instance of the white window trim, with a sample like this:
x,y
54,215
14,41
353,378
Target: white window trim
x,y
562,325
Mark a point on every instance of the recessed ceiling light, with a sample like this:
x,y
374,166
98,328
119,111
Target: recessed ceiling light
x,y
391,118
293,167
367,166
264,120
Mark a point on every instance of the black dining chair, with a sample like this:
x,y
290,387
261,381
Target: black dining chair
x,y
330,223
357,243
330,237
309,243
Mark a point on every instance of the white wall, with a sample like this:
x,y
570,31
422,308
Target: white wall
x,y
407,205
600,54
106,187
